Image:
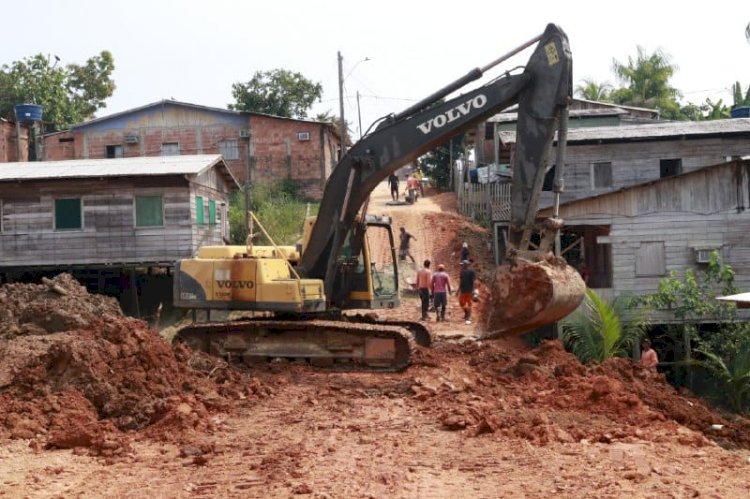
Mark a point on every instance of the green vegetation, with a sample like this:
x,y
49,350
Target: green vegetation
x,y
69,94
437,163
277,206
279,92
601,330
725,351
645,82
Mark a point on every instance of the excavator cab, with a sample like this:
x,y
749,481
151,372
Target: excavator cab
x,y
365,280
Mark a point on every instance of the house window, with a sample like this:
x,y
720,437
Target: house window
x,y
149,211
211,212
670,167
650,259
549,179
229,149
601,175
114,151
170,149
68,214
303,136
200,220
489,131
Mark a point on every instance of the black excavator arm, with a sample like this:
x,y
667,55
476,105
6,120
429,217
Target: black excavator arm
x,y
542,92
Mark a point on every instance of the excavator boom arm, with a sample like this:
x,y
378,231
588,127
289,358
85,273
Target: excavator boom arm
x,y
541,92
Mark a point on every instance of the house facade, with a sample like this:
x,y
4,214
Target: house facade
x,y
253,145
629,239
9,143
605,159
111,213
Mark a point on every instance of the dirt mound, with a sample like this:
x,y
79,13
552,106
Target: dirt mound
x,y
55,305
546,395
107,374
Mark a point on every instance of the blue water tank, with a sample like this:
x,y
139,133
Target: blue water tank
x,y
26,113
741,112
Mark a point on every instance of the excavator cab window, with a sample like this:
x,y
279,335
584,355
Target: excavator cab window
x,y
383,269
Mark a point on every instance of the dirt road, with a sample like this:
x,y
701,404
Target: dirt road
x,y
102,413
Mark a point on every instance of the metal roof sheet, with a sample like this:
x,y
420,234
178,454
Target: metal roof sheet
x,y
742,300
120,167
649,130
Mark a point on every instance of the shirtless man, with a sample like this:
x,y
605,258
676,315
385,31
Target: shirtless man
x,y
649,359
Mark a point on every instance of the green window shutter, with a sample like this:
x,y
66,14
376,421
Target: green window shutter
x,y
199,210
149,211
68,214
211,212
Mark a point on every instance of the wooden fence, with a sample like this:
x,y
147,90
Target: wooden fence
x,y
483,201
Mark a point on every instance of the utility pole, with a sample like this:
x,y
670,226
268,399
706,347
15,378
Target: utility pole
x,y
359,116
342,123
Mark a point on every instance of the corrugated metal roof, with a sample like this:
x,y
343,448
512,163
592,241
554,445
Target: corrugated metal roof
x,y
649,131
742,300
121,167
169,102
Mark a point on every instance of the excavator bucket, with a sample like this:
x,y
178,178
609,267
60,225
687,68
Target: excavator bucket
x,y
527,295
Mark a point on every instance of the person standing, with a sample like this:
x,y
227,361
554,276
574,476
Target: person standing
x,y
393,182
403,245
464,252
411,189
441,287
419,177
466,289
424,283
649,359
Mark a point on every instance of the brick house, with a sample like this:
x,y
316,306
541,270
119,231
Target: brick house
x,y
267,147
9,144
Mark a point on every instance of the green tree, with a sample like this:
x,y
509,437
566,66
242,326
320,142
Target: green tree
x,y
279,92
646,79
591,90
68,94
437,163
601,330
740,99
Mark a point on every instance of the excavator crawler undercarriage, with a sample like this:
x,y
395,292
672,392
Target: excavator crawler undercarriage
x,y
325,343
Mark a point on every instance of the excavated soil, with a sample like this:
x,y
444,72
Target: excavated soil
x,y
94,404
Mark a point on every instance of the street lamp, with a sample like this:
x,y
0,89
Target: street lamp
x,y
342,122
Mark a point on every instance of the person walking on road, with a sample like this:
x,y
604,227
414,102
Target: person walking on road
x,y
466,289
403,245
441,287
393,182
424,283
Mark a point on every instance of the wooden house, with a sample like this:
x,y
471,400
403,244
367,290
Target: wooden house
x,y
605,159
110,213
631,238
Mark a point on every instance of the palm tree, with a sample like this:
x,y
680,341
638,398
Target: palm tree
x,y
647,82
601,330
591,90
734,371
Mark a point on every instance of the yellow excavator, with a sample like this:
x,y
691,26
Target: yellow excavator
x,y
301,292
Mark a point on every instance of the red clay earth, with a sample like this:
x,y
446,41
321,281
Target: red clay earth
x,y
95,404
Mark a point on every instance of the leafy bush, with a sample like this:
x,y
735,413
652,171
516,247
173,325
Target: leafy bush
x,y
277,207
601,330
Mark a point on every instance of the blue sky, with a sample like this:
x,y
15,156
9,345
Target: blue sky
x,y
193,51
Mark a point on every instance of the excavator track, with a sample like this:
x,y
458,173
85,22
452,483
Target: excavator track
x,y
321,342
